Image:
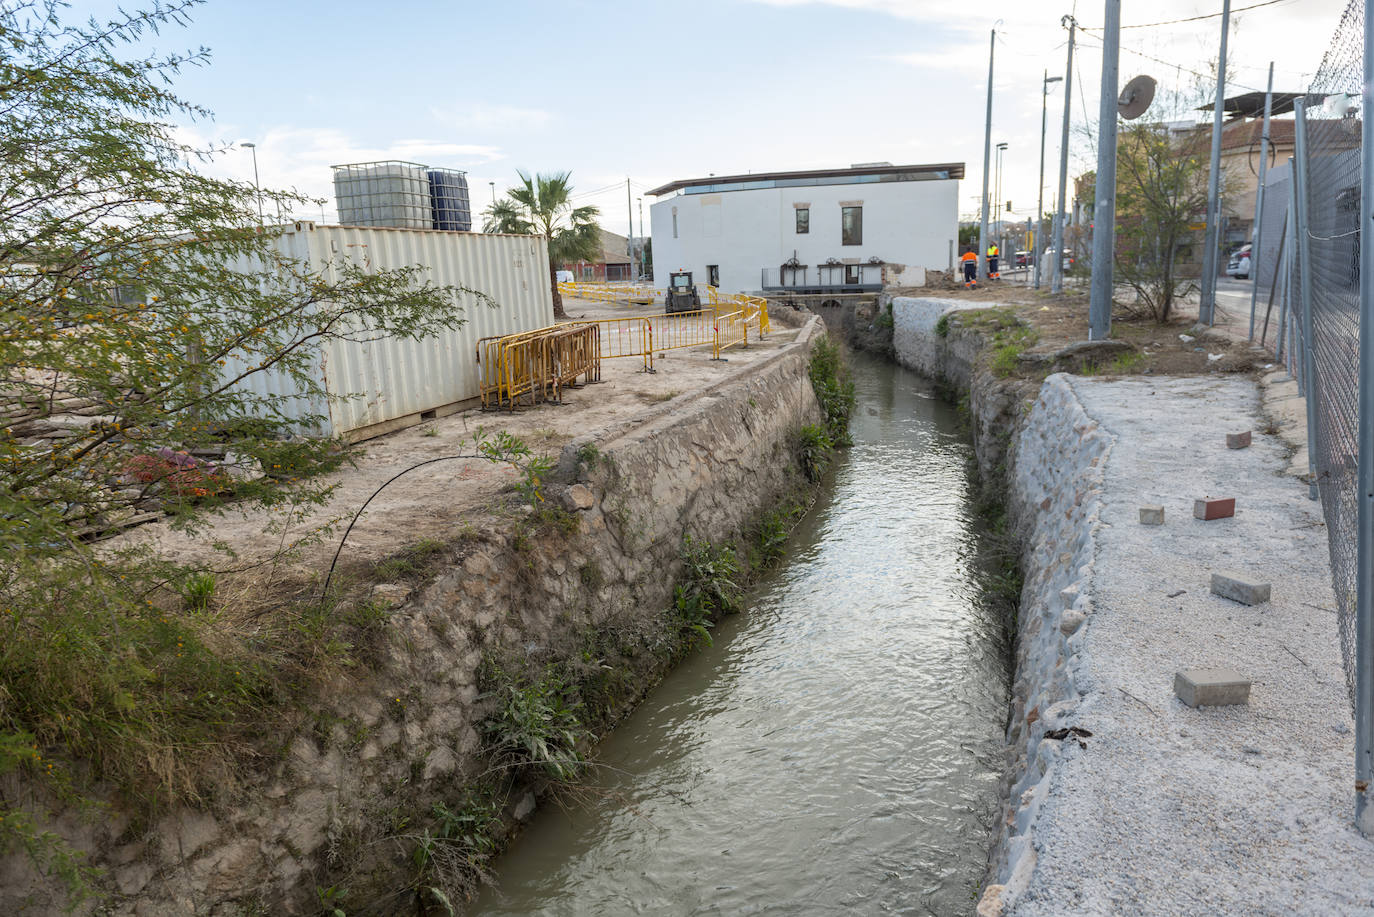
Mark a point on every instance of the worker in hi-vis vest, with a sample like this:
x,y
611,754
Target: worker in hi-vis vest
x,y
970,262
992,262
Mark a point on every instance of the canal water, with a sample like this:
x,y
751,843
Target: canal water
x,y
837,750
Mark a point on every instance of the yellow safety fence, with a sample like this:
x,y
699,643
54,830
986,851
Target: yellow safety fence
x,y
534,366
609,292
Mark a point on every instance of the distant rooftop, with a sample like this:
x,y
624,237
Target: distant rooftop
x,y
862,173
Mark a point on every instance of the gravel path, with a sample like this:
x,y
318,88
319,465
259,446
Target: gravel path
x,y
1171,810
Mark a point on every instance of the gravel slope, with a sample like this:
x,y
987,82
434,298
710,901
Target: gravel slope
x,y
1171,810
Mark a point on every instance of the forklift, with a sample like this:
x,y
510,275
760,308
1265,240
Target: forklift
x,y
681,295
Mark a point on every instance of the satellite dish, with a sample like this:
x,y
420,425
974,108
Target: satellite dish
x,y
1136,97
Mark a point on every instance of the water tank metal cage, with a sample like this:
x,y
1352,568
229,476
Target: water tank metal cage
x,y
402,195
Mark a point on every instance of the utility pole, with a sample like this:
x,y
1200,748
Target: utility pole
x,y
1206,312
1104,209
1057,270
642,261
987,157
1037,243
1257,231
630,212
256,185
1001,209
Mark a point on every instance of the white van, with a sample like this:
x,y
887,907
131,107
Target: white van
x,y
563,276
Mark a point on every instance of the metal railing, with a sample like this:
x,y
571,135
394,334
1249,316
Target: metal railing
x,y
1317,269
609,292
535,366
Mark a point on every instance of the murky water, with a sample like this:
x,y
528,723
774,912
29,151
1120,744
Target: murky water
x,y
836,750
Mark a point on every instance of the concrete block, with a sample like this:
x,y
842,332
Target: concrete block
x,y
1152,515
1238,440
1211,687
1218,508
1239,588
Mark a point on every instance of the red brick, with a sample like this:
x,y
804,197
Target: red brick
x,y
1238,440
1219,508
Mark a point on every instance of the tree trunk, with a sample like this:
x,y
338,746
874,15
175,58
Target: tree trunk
x,y
557,297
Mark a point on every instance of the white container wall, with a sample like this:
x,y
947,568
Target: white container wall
x,y
387,381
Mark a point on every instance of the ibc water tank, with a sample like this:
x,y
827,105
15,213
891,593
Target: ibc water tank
x,y
449,202
394,194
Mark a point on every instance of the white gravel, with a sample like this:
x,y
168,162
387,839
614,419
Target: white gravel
x,y
1171,810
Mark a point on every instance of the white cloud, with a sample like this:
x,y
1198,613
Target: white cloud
x,y
494,118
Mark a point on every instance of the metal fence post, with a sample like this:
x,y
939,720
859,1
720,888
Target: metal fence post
x,y
1304,260
1364,579
1283,341
1257,232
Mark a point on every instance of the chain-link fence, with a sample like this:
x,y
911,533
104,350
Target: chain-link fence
x,y
1326,284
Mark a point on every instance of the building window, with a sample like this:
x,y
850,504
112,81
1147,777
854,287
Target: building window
x,y
713,274
851,226
674,222
803,220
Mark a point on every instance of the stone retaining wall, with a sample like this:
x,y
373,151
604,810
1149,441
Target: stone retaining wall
x,y
1048,463
387,743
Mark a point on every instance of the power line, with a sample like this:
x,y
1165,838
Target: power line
x,y
1151,25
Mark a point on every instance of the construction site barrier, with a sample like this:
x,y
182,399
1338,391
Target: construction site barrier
x,y
535,366
625,337
609,292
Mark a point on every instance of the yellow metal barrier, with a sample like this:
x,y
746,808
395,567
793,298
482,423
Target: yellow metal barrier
x,y
535,366
754,307
609,292
731,328
625,337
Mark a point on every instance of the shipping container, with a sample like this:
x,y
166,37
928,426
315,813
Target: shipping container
x,y
384,385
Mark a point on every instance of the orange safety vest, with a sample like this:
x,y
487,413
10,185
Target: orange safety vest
x,y
969,256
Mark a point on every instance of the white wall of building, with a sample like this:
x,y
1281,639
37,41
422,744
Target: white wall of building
x,y
910,223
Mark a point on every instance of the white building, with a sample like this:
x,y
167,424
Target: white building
x,y
829,230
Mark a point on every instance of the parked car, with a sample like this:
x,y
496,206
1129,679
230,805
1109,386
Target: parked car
x,y
1023,259
1239,264
1047,260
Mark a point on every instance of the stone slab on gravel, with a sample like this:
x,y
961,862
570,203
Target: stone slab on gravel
x,y
1211,687
1152,515
1240,588
1238,440
1170,810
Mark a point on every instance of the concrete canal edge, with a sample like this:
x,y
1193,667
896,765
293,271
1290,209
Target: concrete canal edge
x,y
1116,796
342,803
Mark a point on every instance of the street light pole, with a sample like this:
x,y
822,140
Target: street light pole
x,y
641,239
256,185
997,231
987,156
493,192
1057,269
1207,306
1040,201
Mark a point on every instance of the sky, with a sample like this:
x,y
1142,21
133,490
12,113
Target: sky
x,y
657,91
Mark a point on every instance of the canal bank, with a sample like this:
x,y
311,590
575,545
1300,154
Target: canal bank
x,y
471,663
838,748
1118,799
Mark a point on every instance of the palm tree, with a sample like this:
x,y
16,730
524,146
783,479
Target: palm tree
x,y
543,205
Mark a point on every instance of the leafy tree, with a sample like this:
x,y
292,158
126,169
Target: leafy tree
x,y
543,205
138,289
1161,190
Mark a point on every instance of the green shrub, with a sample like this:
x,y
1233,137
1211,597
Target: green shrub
x,y
814,448
709,587
536,723
834,388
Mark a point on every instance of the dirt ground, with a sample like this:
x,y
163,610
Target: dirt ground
x,y
440,500
1174,348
